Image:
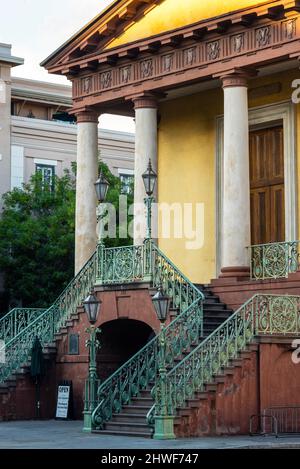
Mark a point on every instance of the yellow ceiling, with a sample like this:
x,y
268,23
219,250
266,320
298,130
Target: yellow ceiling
x,y
172,14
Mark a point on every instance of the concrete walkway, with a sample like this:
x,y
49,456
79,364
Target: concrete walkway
x,y
68,435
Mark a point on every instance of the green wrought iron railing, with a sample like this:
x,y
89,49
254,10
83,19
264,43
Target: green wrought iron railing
x,y
17,320
261,315
47,324
141,371
274,260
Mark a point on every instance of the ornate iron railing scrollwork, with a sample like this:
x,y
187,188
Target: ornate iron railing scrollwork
x,y
16,320
49,322
261,315
274,260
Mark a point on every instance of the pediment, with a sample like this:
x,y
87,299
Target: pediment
x,y
128,22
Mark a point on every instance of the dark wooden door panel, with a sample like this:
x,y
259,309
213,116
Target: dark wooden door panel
x,y
267,185
277,231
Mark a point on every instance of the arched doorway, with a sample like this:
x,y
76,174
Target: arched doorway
x,y
120,340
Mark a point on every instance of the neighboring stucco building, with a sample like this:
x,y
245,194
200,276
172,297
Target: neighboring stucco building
x,y
39,134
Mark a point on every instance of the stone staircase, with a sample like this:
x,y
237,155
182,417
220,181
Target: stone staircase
x,y
132,420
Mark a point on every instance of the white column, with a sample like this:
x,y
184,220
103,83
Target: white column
x,y
236,185
145,149
86,200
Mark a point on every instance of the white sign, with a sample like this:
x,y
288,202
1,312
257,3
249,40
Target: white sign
x,y
2,351
63,397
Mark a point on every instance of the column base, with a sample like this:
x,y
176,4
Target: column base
x,y
87,422
235,272
164,428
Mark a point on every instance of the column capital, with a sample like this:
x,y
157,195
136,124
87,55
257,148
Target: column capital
x,y
145,100
236,78
85,114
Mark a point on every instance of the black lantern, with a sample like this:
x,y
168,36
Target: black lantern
x,y
101,186
161,304
149,178
92,307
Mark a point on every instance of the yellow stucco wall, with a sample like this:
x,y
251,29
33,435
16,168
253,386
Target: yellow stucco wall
x,y
172,14
187,161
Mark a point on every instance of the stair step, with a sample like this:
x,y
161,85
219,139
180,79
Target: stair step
x,y
214,306
123,433
129,418
136,409
128,427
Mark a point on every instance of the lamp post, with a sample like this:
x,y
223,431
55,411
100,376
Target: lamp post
x,y
164,422
101,187
92,309
149,178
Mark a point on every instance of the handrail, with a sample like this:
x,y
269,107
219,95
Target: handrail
x,y
18,348
274,260
261,315
16,320
185,330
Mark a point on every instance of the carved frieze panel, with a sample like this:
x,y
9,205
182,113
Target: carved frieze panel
x,y
167,62
289,29
106,79
189,56
213,50
146,68
125,74
263,36
86,84
237,43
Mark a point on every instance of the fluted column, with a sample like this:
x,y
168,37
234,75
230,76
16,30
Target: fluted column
x,y
145,149
86,200
236,185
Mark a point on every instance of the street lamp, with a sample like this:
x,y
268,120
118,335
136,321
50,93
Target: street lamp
x,y
101,187
164,422
92,308
149,179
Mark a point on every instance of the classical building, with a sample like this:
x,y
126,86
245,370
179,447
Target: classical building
x,y
40,135
213,88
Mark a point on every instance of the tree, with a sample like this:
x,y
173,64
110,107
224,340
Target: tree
x,y
37,237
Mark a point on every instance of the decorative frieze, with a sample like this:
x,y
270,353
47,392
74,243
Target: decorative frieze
x,y
216,49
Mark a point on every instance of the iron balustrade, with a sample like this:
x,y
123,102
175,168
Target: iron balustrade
x,y
17,320
47,324
274,260
261,315
141,370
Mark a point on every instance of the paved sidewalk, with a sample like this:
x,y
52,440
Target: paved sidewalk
x,y
68,435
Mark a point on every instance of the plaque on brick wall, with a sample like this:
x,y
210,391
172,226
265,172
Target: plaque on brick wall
x,y
64,405
73,344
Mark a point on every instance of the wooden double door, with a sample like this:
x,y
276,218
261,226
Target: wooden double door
x,y
267,185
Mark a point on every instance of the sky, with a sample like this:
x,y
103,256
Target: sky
x,y
35,28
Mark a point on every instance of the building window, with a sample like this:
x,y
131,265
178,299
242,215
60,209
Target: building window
x,y
127,181
48,174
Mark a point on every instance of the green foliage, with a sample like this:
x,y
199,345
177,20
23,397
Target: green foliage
x,y
37,240
37,237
